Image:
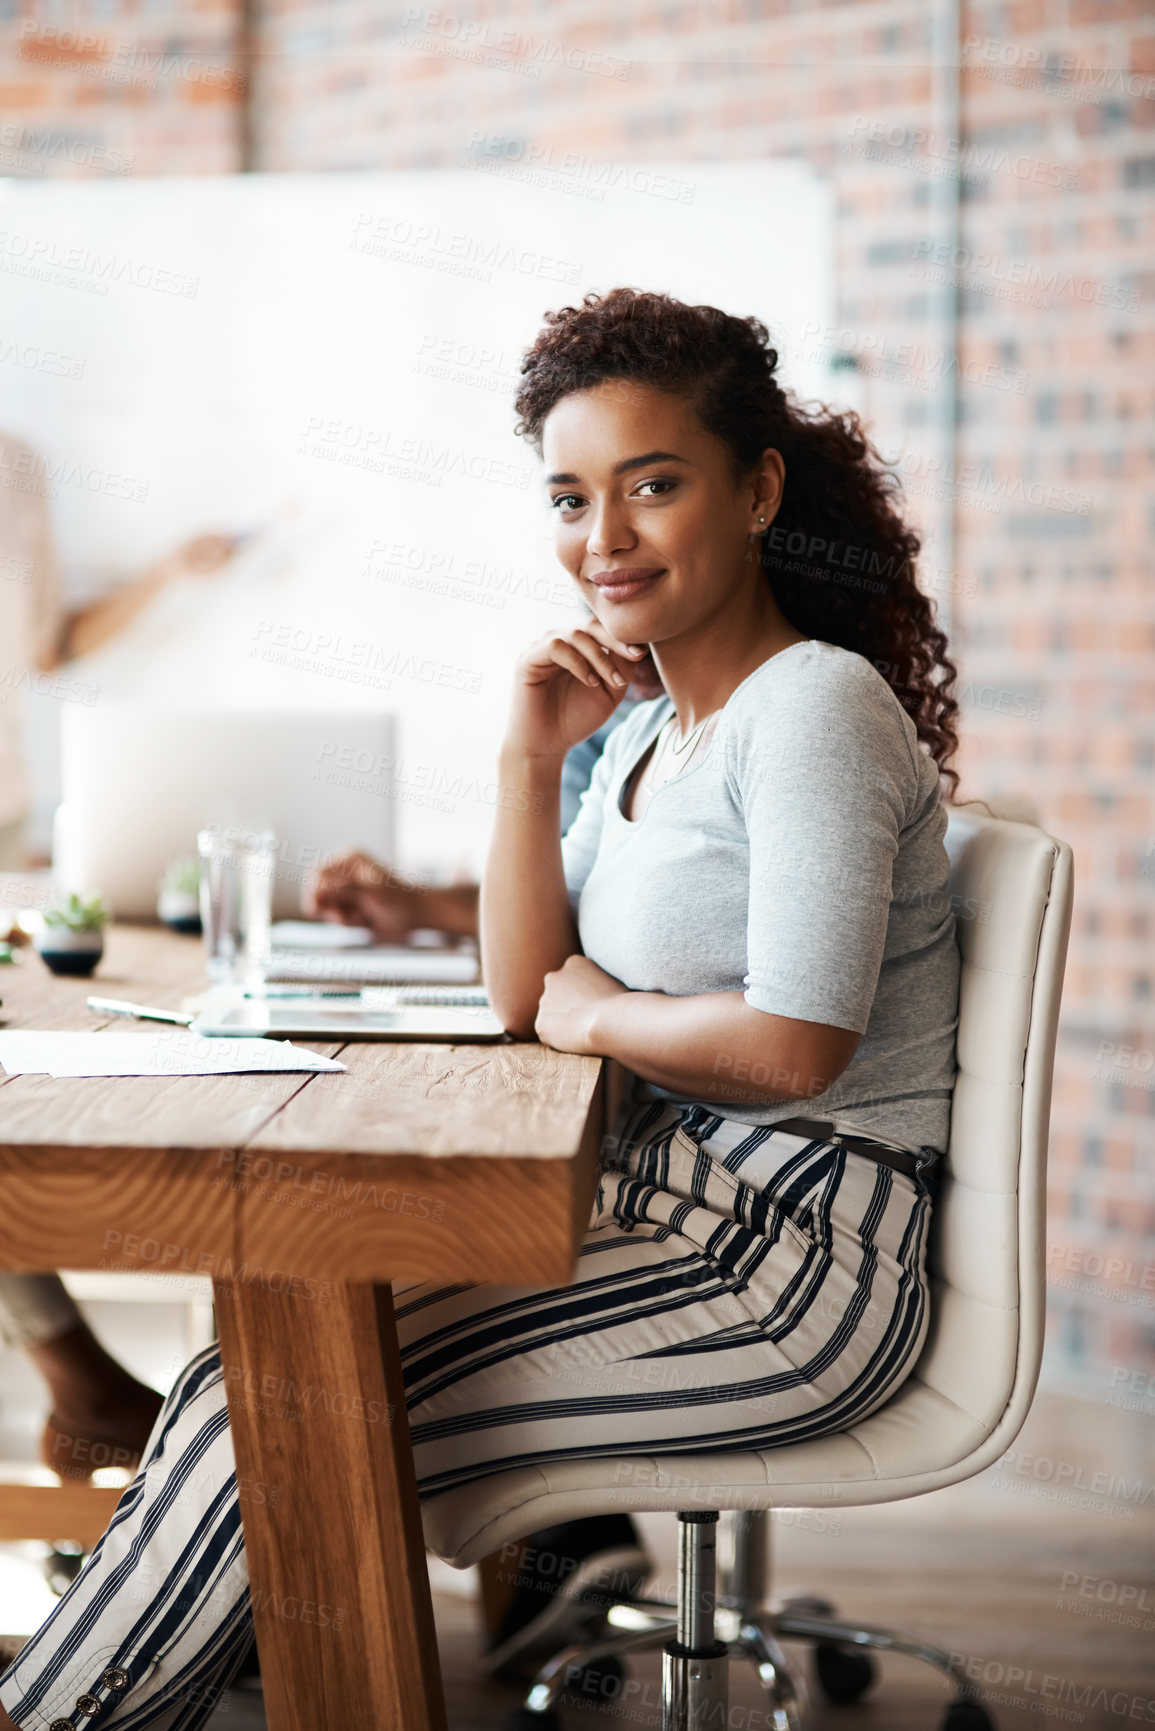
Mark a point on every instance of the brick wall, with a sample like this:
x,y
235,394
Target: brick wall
x,y
1050,502
106,90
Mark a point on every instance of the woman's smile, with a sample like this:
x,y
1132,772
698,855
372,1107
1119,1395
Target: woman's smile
x,y
628,583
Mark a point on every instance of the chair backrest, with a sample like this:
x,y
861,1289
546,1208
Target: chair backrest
x,y
1011,891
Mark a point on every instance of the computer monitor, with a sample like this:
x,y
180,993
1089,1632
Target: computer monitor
x,y
139,781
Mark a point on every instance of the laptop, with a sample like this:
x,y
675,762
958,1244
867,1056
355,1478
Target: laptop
x,y
139,780
459,1015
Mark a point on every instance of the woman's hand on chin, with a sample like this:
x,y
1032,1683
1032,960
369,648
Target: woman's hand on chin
x,y
569,1005
566,685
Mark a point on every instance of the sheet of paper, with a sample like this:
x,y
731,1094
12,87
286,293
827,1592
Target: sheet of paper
x,y
28,1052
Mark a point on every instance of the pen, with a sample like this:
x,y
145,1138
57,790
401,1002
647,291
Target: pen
x,y
115,1007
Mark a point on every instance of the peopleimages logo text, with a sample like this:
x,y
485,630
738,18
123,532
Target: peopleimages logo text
x,y
1027,273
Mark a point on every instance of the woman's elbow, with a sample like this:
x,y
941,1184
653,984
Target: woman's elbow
x,y
801,1059
516,1012
826,1057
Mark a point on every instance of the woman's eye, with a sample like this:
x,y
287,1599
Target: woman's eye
x,y
574,501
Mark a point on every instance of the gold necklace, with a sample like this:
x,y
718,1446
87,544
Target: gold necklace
x,y
686,748
688,743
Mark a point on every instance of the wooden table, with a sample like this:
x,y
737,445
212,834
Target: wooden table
x,y
303,1196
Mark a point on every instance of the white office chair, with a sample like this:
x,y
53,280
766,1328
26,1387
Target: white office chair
x,y
959,1410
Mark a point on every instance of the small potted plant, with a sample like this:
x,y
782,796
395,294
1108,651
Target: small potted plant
x,y
178,903
72,938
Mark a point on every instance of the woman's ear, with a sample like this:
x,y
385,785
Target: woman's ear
x,y
769,481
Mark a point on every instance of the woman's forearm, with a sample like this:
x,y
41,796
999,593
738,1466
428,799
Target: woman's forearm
x,y
715,1046
526,927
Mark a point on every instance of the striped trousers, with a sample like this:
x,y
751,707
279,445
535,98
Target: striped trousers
x,y
739,1287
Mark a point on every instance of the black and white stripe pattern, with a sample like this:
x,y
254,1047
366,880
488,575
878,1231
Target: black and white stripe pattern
x,y
163,1598
739,1287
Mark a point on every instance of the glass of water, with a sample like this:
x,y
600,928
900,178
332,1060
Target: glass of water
x,y
236,895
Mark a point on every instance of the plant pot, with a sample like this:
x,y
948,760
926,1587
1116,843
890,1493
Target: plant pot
x,y
66,951
180,911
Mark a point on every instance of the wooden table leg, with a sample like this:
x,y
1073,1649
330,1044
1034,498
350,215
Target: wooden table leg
x,y
341,1604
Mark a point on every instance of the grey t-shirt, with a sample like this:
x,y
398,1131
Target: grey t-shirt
x,y
801,862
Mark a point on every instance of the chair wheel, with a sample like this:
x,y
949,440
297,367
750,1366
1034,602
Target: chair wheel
x,y
62,1565
844,1676
600,1680
967,1716
521,1719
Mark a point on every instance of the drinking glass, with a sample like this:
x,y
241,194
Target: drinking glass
x,y
236,896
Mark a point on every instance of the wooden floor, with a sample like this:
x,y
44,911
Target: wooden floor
x,y
979,1569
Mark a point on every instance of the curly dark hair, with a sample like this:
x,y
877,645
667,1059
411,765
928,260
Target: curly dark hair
x,y
838,556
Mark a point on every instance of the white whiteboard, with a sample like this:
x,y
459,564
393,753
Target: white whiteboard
x,y
329,361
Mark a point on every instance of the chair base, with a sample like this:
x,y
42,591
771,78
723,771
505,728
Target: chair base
x,y
694,1673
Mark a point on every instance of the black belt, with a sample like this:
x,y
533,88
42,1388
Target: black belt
x,y
917,1165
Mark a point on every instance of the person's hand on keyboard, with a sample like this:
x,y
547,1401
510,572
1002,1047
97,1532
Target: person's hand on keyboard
x,y
356,890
